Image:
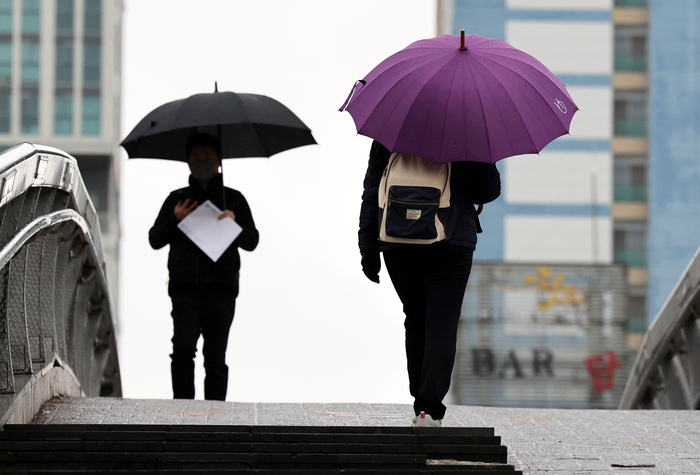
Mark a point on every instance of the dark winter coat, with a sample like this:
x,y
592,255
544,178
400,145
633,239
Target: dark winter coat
x,y
188,265
471,183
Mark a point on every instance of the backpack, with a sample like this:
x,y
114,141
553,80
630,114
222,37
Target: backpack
x,y
414,200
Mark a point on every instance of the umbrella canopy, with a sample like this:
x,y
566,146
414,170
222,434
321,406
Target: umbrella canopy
x,y
248,125
448,100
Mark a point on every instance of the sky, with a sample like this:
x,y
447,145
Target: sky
x,y
309,327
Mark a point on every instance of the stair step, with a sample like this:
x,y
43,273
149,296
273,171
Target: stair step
x,y
270,450
78,445
251,438
475,470
472,431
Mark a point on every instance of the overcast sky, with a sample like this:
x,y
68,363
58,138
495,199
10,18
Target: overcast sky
x,y
309,327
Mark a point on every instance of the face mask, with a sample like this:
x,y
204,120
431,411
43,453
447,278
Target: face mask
x,y
204,171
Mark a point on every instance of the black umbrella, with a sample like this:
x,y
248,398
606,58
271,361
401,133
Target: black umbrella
x,y
248,125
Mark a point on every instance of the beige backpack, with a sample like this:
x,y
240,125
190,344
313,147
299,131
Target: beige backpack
x,y
414,197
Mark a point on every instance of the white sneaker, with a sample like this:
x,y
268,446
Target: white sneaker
x,y
425,420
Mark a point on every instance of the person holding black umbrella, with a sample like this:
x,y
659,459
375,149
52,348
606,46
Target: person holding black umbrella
x,y
203,292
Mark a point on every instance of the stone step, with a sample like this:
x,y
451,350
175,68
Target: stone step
x,y
249,449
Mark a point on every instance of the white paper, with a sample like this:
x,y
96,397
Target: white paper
x,y
211,234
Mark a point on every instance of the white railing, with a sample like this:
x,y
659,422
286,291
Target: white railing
x,y
56,329
666,373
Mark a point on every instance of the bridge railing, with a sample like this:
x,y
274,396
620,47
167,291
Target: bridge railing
x,y
666,372
56,329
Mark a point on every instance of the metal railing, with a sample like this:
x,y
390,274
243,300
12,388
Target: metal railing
x,y
630,193
631,257
630,63
666,372
632,3
630,127
55,309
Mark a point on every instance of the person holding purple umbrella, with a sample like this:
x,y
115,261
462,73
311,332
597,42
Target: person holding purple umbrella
x,y
429,276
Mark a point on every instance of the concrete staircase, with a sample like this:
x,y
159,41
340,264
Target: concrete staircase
x,y
273,450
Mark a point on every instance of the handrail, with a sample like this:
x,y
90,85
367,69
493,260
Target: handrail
x,y
666,372
55,309
45,224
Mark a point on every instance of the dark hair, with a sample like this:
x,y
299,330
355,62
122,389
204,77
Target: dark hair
x,y
200,139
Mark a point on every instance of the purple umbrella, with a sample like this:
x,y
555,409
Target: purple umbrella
x,y
481,100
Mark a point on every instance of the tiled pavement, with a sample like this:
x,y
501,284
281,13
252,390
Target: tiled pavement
x,y
539,441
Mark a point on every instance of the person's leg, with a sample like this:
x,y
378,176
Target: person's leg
x,y
215,330
405,270
186,330
446,282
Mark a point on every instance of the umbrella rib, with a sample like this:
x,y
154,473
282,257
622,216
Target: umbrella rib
x,y
483,111
536,70
496,78
444,120
396,84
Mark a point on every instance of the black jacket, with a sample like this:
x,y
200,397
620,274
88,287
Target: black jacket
x,y
471,183
188,265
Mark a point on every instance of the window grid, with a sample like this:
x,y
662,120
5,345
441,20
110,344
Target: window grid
x,y
92,61
29,108
63,99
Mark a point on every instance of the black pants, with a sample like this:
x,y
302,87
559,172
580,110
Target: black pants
x,y
206,312
430,281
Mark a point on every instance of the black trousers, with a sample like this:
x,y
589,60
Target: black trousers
x,y
209,313
430,281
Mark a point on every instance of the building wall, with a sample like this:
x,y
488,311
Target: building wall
x,y
557,211
556,206
542,336
674,141
60,85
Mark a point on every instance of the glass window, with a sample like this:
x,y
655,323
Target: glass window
x,y
631,48
91,113
91,71
30,16
64,64
5,110
63,107
631,113
95,171
6,16
64,17
630,179
30,62
630,244
5,63
30,111
93,17
92,51
632,3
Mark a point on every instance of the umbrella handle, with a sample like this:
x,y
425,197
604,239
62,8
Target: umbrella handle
x,y
479,209
352,93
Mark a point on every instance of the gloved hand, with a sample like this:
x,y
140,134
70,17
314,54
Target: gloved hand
x,y
371,265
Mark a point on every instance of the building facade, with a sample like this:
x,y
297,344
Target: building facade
x,y
602,195
60,85
542,335
674,143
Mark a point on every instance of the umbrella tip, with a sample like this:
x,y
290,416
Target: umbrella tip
x,y
216,87
462,47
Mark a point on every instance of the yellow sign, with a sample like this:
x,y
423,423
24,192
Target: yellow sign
x,y
554,284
